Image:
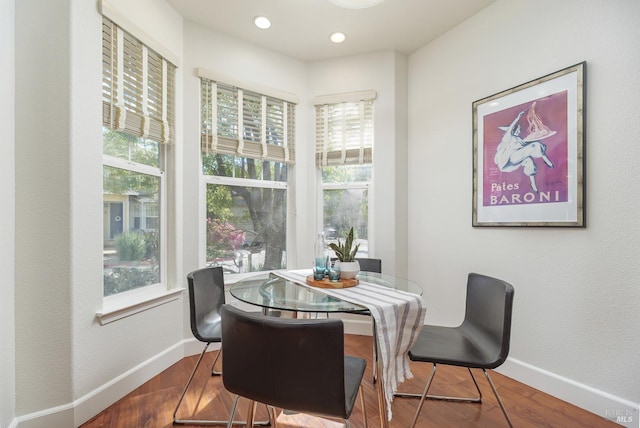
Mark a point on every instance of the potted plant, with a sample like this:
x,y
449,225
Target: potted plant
x,y
346,253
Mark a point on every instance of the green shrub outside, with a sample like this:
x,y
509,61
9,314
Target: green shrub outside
x,y
131,246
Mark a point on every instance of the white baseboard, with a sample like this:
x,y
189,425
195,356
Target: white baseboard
x,y
97,400
608,406
89,405
60,416
84,408
361,326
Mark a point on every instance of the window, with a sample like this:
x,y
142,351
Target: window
x,y
137,124
247,145
345,203
344,153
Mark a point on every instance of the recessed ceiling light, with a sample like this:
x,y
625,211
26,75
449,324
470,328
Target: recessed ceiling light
x,y
338,37
262,22
356,4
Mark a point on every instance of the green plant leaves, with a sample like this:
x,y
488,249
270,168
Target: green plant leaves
x,y
343,251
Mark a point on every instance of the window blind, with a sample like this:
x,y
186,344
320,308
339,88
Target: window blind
x,y
344,133
246,123
138,87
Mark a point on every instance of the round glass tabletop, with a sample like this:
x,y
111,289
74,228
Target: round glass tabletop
x,y
274,292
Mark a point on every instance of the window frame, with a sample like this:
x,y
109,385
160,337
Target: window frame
x,y
354,185
241,182
323,104
229,146
132,301
159,172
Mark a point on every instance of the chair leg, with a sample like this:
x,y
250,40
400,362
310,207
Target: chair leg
x,y
495,392
206,421
364,408
184,391
375,351
272,416
477,399
251,412
424,395
213,367
233,411
271,411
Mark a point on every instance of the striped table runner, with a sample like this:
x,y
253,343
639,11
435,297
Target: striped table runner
x,y
398,316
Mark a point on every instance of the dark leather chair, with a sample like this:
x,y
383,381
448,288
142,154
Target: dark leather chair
x,y
370,265
206,297
480,342
293,364
367,265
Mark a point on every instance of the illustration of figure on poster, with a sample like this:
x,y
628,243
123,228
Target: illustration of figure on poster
x,y
514,152
512,175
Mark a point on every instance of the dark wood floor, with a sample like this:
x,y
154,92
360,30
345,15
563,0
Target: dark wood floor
x,y
152,404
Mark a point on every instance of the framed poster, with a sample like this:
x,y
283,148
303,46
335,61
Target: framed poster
x,y
528,153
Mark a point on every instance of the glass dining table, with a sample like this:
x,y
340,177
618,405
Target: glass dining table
x,y
272,292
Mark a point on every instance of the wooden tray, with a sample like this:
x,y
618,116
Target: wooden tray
x,y
325,283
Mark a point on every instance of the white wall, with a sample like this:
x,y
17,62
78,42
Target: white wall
x,y
7,214
137,347
576,317
42,207
122,345
68,366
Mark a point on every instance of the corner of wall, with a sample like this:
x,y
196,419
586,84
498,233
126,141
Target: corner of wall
x,y
7,214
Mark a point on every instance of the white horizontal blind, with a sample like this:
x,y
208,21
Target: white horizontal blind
x,y
138,87
344,133
245,123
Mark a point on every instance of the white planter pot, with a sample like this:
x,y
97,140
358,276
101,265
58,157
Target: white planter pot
x,y
348,270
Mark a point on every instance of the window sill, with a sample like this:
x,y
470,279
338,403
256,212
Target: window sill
x,y
130,303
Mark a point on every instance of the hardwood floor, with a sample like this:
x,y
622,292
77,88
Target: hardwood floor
x,y
152,404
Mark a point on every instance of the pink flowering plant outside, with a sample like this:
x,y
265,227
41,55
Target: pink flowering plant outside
x,y
223,238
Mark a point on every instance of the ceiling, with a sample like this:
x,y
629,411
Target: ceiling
x,y
301,28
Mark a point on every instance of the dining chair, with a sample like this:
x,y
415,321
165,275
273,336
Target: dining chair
x,y
367,264
370,265
206,297
480,342
293,364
